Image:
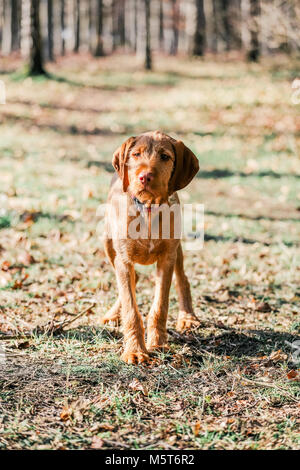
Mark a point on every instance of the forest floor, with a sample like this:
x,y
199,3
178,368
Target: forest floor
x,y
231,383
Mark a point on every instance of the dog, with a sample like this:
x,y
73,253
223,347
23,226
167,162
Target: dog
x,y
150,169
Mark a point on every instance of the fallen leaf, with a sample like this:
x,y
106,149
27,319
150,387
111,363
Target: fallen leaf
x,y
293,375
263,307
278,356
137,386
97,443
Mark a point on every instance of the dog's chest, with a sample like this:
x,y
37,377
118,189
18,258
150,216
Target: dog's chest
x,y
144,251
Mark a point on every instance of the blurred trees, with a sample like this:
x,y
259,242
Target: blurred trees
x,y
251,27
36,57
199,40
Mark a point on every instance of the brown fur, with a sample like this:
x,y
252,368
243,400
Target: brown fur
x,y
169,173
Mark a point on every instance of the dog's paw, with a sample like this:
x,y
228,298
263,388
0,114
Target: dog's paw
x,y
135,357
186,321
156,341
110,317
113,315
157,347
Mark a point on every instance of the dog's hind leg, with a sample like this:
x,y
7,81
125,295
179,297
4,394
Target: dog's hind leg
x,y
186,318
114,313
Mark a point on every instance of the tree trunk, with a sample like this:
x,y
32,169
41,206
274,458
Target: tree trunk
x,y
6,40
254,51
77,26
226,25
161,25
175,27
215,26
114,15
50,30
121,23
90,25
99,49
14,25
148,54
62,27
1,22
200,33
135,24
36,59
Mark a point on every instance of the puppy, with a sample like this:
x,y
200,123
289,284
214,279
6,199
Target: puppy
x,y
150,169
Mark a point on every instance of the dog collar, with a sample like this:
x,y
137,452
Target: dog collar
x,y
140,205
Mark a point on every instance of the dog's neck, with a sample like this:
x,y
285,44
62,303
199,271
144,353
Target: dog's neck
x,y
140,205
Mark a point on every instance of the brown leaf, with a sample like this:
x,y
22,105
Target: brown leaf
x,y
137,386
278,356
26,259
66,413
24,345
197,428
97,443
5,266
263,307
293,375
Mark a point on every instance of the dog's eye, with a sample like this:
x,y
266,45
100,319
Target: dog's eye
x,y
137,154
164,157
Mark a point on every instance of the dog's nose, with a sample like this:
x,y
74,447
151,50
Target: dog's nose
x,y
145,177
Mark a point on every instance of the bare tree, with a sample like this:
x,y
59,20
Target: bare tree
x,y
77,25
15,25
50,29
62,26
254,50
148,52
99,49
175,26
135,15
36,66
1,21
200,33
121,22
161,25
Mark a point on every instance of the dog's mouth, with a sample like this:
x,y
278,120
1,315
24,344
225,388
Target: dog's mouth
x,y
148,198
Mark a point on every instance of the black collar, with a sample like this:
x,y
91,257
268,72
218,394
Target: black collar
x,y
138,204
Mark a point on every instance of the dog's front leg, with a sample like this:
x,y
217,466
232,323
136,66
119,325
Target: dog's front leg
x,y
134,332
157,319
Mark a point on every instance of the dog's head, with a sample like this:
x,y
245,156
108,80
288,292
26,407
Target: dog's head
x,y
153,165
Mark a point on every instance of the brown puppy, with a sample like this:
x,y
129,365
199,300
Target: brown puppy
x,y
150,169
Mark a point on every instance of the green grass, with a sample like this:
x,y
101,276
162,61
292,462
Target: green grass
x,y
219,387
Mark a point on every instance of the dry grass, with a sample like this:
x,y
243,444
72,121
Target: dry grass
x,y
226,385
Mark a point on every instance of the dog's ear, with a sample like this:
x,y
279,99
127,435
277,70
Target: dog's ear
x,y
186,166
119,161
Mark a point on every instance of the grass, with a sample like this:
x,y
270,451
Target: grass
x,y
232,382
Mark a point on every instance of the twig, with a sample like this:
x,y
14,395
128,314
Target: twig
x,y
268,385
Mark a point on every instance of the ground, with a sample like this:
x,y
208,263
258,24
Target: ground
x,y
231,383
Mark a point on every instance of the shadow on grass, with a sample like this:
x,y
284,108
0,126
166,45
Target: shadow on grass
x,y
247,241
253,217
56,106
90,334
65,129
237,344
232,342
217,173
35,216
